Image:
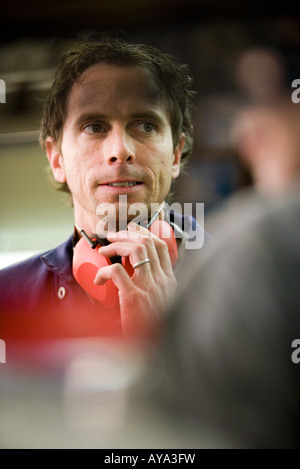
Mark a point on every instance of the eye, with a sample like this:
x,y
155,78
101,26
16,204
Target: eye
x,y
93,128
147,127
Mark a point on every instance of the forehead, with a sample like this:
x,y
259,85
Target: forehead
x,y
112,88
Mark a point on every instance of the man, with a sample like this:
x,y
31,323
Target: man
x,y
116,129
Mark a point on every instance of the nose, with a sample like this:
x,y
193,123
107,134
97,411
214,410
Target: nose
x,y
119,147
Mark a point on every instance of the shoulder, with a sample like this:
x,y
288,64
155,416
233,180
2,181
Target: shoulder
x,y
53,259
20,282
25,281
21,270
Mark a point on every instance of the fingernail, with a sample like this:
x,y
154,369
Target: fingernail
x,y
134,225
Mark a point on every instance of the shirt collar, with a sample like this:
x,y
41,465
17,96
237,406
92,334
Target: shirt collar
x,y
59,259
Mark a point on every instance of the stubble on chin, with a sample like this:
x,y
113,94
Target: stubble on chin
x,y
115,217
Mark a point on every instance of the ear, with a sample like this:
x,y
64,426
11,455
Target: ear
x,y
56,160
177,157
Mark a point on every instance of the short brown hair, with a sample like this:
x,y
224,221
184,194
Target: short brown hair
x,y
173,77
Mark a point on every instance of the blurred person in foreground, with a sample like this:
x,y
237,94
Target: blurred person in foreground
x,y
116,123
231,344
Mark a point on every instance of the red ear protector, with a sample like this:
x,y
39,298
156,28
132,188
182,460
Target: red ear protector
x,y
87,261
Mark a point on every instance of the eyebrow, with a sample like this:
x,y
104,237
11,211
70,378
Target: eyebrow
x,y
151,115
87,117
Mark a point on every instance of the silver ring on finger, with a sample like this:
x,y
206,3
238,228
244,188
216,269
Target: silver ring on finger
x,y
137,264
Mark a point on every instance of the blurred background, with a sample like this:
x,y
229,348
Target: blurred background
x,y
239,53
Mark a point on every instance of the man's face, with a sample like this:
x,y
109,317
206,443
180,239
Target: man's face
x,y
116,140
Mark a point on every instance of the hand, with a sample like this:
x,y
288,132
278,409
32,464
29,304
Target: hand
x,y
146,295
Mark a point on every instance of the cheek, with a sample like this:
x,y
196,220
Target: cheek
x,y
164,169
75,158
164,152
161,163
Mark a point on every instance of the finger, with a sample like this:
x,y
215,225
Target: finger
x,y
157,249
117,274
135,228
135,252
137,238
161,246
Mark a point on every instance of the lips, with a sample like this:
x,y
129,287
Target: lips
x,y
124,184
120,183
